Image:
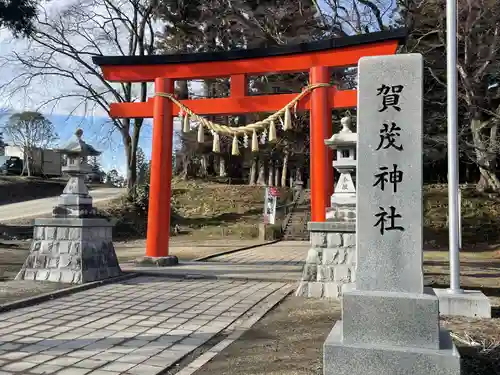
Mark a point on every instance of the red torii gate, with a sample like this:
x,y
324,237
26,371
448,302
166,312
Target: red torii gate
x,y
316,57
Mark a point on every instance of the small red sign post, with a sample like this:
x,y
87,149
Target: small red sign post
x,y
274,192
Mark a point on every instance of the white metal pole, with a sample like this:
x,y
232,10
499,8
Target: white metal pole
x,y
453,209
459,219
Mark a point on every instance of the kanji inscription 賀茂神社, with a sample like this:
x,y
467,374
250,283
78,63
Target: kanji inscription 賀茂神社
x,y
390,133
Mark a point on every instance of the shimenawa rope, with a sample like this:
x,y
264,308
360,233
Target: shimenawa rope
x,y
253,128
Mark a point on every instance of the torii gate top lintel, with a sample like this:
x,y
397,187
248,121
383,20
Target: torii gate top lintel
x,y
339,52
315,58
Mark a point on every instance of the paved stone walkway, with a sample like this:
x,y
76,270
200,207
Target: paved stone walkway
x,y
282,261
137,327
289,253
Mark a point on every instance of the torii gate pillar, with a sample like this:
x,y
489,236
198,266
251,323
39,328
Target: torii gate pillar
x,y
321,124
161,176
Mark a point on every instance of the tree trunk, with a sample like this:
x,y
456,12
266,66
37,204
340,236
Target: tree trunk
x,y
185,167
29,160
203,166
262,173
222,166
131,164
277,178
131,143
252,178
270,174
284,171
182,90
488,181
485,157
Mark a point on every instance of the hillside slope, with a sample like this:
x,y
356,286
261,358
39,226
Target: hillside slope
x,y
200,209
204,209
15,189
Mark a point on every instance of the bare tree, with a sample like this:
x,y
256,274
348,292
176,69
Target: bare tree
x,y
61,48
478,64
350,17
29,131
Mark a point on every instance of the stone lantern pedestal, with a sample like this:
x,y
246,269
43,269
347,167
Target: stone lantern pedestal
x,y
74,246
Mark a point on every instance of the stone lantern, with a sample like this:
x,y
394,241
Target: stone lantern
x,y
343,200
330,267
75,200
74,246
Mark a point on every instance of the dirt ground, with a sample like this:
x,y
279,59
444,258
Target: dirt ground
x,y
289,340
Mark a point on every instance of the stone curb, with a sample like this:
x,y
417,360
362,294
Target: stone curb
x,y
226,252
238,330
30,301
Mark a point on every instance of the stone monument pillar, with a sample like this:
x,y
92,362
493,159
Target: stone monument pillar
x,y
330,267
390,323
74,246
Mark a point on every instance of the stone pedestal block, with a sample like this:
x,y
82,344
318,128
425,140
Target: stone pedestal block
x,y
331,261
341,358
389,318
342,211
71,250
469,303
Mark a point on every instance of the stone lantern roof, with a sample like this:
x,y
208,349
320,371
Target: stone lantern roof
x,y
344,138
76,146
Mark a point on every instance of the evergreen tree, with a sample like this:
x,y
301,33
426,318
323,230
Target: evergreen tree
x,y
2,144
142,167
18,16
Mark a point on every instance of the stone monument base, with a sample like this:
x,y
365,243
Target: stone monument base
x,y
390,333
470,303
340,358
71,250
331,261
170,260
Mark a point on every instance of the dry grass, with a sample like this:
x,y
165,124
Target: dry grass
x,y
480,218
478,342
201,209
